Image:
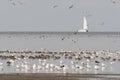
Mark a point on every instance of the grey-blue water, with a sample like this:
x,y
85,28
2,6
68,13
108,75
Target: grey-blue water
x,y
58,41
55,41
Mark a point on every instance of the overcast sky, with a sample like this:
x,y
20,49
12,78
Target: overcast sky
x,y
59,15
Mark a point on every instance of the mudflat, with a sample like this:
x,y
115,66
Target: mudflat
x,y
54,76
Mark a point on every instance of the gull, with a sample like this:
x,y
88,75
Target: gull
x,y
13,3
10,62
34,66
21,3
55,6
96,67
113,2
10,0
70,7
1,63
103,65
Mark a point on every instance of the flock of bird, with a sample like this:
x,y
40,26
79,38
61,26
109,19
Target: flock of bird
x,y
59,62
19,2
115,1
15,2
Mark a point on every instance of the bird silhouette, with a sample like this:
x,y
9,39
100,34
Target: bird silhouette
x,y
55,6
70,7
15,2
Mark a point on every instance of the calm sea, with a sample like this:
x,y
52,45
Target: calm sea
x,y
55,41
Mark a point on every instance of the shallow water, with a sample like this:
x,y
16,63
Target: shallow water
x,y
58,41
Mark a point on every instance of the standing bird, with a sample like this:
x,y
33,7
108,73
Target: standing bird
x,y
97,62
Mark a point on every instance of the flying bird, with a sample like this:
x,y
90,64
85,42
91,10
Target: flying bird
x,y
21,3
55,6
70,7
15,2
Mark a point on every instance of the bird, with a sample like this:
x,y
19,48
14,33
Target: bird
x,y
97,62
14,3
96,67
1,63
10,0
114,2
70,7
19,2
55,6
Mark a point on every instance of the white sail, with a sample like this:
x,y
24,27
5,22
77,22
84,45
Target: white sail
x,y
85,26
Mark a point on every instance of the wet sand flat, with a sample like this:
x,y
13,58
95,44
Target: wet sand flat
x,y
50,76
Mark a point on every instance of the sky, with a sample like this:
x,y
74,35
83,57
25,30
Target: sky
x,y
59,15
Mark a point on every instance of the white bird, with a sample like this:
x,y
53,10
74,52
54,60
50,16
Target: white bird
x,y
72,62
57,68
52,65
39,67
1,63
34,66
1,66
18,66
81,67
88,66
96,67
61,62
47,66
65,68
103,65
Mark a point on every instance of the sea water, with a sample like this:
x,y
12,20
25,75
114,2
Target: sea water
x,y
57,41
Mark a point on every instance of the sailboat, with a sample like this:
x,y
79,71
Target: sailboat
x,y
85,26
